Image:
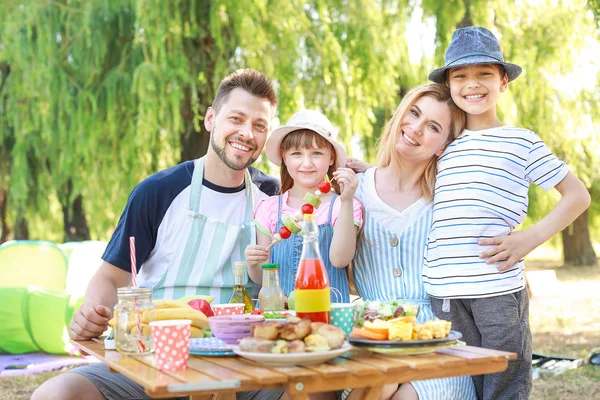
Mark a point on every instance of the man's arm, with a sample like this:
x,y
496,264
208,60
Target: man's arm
x,y
575,199
91,320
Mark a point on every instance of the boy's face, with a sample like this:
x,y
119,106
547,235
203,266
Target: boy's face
x,y
475,88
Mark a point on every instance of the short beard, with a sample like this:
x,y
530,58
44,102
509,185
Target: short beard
x,y
222,154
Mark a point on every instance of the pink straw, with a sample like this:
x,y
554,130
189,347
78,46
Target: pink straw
x,y
140,345
133,265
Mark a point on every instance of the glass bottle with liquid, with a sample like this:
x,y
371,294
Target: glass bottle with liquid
x,y
312,282
133,314
271,297
240,293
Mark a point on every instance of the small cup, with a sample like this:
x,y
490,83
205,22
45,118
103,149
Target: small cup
x,y
342,316
171,343
229,309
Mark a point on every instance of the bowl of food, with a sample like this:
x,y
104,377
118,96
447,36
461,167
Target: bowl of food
x,y
232,328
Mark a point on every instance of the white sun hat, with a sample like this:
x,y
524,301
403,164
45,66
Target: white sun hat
x,y
305,119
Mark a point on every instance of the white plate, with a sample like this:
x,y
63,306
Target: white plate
x,y
292,359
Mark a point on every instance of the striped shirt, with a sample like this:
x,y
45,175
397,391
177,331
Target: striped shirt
x,y
481,192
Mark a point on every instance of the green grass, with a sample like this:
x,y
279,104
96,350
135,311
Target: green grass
x,y
568,325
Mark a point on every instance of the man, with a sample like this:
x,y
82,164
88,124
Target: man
x,y
181,217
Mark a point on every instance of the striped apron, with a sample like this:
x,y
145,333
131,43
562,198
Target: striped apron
x,y
203,264
287,254
388,266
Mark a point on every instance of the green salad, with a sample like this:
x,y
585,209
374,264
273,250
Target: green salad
x,y
276,315
384,310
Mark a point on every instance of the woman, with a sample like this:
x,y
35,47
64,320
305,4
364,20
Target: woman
x,y
397,197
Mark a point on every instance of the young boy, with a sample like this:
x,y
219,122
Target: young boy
x,y
474,270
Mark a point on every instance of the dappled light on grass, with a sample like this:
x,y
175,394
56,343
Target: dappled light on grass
x,y
568,325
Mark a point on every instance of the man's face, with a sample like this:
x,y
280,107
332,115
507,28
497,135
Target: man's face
x,y
239,130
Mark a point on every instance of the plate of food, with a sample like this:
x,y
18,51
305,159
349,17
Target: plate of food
x,y
410,351
392,328
293,359
358,341
293,342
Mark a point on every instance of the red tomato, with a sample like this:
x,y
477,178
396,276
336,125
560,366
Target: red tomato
x,y
324,187
307,209
202,305
256,311
285,233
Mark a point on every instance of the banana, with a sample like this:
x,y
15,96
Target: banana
x,y
160,304
196,332
146,331
197,317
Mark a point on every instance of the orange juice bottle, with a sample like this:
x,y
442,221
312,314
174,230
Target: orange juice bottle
x,y
312,282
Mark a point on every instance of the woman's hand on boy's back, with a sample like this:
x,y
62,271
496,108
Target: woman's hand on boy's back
x,y
348,182
510,248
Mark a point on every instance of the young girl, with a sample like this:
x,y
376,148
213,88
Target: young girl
x,y
306,151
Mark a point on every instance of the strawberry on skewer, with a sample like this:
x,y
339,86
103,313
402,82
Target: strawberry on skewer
x,y
292,223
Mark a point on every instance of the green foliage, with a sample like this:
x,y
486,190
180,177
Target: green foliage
x,y
98,90
100,94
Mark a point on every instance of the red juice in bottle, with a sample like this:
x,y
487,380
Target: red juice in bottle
x,y
312,282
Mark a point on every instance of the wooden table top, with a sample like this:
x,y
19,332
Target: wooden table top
x,y
355,369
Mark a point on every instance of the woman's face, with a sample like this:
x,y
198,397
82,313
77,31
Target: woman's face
x,y
424,130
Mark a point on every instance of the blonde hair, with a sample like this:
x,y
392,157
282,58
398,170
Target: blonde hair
x,y
304,139
387,153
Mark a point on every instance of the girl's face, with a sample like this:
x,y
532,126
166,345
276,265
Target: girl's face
x,y
308,166
424,130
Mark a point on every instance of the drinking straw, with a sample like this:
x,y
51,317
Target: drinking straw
x,y
140,344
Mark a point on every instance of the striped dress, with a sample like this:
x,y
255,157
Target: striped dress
x,y
388,266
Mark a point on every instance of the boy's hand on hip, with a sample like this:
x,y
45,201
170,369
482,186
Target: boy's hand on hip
x,y
508,249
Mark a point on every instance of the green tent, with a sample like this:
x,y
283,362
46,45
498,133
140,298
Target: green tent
x,y
35,310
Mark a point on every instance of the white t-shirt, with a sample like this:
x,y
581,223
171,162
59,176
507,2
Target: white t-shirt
x,y
481,192
393,220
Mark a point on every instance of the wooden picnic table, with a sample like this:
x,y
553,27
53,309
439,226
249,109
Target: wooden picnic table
x,y
358,368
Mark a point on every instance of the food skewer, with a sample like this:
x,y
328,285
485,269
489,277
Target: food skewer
x,y
292,223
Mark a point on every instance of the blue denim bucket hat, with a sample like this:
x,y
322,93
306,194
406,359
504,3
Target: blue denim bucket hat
x,y
473,45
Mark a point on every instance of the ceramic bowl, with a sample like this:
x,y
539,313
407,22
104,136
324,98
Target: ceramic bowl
x,y
231,328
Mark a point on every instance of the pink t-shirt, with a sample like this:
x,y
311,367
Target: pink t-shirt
x,y
265,215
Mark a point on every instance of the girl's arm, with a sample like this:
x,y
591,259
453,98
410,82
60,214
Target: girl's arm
x,y
343,243
575,199
257,255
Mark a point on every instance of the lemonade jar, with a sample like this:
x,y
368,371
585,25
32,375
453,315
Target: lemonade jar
x,y
133,313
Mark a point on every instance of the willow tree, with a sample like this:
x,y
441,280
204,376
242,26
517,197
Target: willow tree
x,y
103,93
550,40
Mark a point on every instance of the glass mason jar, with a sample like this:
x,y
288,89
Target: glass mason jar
x,y
271,296
133,314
